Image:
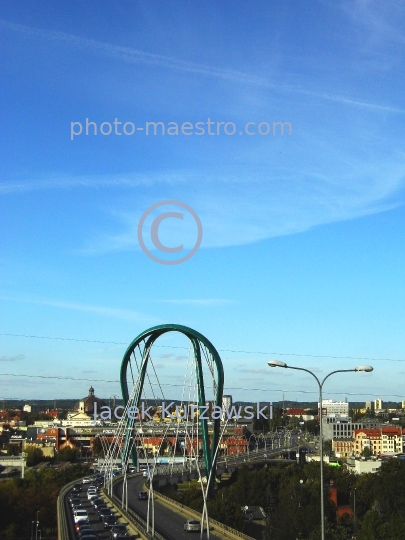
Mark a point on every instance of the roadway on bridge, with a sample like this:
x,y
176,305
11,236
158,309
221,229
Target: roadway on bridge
x,y
167,522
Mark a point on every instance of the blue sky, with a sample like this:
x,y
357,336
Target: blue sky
x,y
303,234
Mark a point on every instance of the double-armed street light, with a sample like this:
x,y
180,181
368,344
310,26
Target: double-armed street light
x,y
278,363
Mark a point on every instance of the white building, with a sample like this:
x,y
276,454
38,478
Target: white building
x,y
361,466
31,408
378,404
336,427
226,406
333,408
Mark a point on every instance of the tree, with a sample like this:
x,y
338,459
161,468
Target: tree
x,y
34,455
68,454
369,528
312,426
21,499
13,450
163,447
97,447
62,415
327,447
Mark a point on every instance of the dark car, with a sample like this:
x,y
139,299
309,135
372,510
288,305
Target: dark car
x,y
109,521
104,512
86,533
80,527
85,529
119,531
74,501
98,503
142,496
89,537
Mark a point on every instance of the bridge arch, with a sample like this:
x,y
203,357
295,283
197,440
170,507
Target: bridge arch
x,y
197,340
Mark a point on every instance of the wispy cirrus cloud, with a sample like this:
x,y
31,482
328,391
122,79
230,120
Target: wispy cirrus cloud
x,y
138,56
118,313
254,370
233,214
15,358
212,302
58,182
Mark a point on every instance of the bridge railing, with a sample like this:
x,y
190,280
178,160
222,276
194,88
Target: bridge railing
x,y
130,515
214,524
162,470
63,523
168,470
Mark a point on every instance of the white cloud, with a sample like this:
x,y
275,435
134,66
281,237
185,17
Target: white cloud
x,y
137,56
98,310
199,302
15,358
237,211
247,206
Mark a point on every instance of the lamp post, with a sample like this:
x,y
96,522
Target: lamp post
x,y
354,511
248,445
36,529
278,363
262,436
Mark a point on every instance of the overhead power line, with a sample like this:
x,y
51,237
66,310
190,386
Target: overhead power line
x,y
365,358
315,391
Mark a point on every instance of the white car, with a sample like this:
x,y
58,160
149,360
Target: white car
x,y
192,525
81,516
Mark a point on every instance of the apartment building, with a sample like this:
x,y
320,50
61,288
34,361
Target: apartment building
x,y
391,440
343,447
226,406
367,438
331,408
378,404
386,440
342,427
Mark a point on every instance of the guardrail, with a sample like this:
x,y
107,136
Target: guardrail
x,y
214,524
168,470
63,526
162,470
139,523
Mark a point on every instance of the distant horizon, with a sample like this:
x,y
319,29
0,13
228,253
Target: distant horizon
x,y
300,237
290,404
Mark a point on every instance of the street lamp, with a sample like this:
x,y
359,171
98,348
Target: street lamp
x,y
354,512
36,530
278,363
